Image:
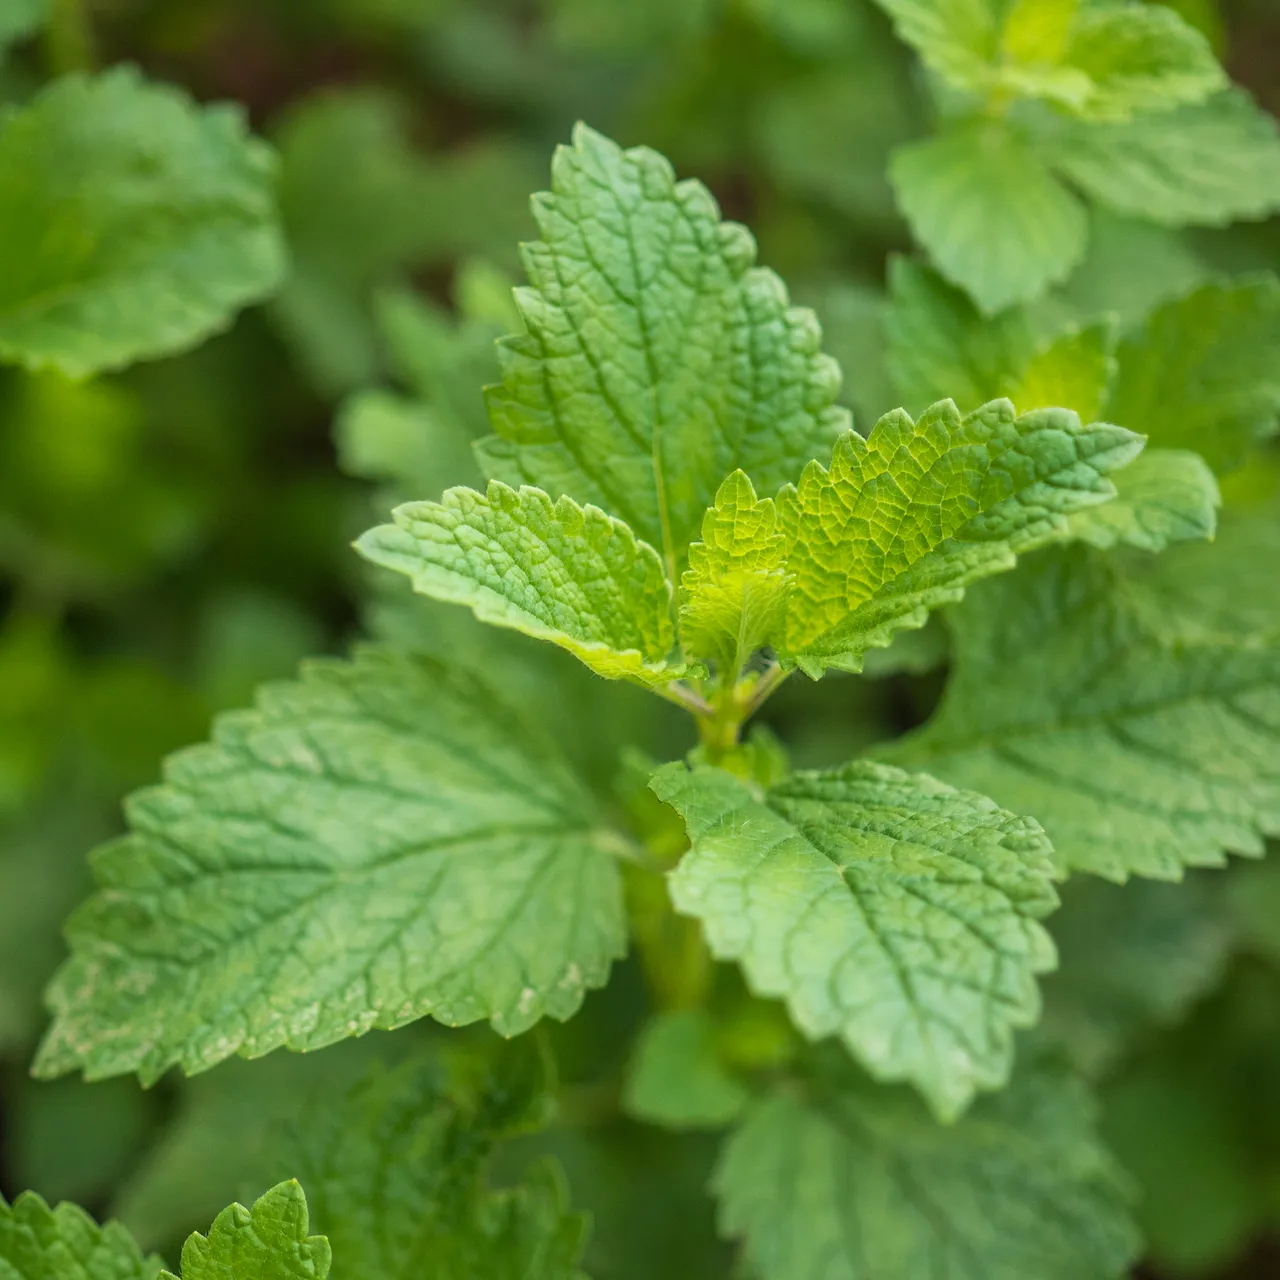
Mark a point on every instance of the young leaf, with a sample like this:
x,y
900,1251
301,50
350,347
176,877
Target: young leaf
x,y
564,573
1204,165
397,1177
885,908
39,1243
1074,369
267,1242
1139,58
379,841
857,1183
136,223
955,38
1203,371
735,589
902,521
992,217
656,358
676,1079
1142,751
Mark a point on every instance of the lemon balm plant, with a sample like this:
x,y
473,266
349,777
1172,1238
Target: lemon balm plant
x,y
845,965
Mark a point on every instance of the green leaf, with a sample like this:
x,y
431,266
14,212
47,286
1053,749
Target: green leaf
x,y
854,1183
991,215
379,841
564,573
735,589
362,206
657,358
39,1243
957,39
885,908
1130,957
903,521
939,346
1203,371
396,1172
676,1078
1204,165
1163,496
19,18
136,223
1139,58
1072,697
1074,369
267,1242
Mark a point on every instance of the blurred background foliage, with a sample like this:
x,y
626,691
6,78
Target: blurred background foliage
x,y
173,535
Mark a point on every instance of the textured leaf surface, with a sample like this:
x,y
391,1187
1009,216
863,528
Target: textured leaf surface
x,y
396,1173
884,907
267,1242
1203,371
378,841
992,217
1203,165
858,1183
1141,751
656,358
136,223
564,573
676,1078
735,589
39,1243
903,520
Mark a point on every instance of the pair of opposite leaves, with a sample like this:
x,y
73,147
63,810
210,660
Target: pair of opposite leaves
x,y
656,361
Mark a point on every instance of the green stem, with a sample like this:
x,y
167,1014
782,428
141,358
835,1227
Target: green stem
x,y
69,37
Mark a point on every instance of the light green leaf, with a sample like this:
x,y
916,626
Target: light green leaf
x,y
396,1173
657,358
266,1242
676,1078
941,347
1164,496
39,1243
883,907
135,223
1037,31
957,39
1213,591
1130,267
1139,58
853,1182
992,217
379,841
19,18
903,521
735,589
1204,165
1072,697
1074,370
1203,371
564,573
